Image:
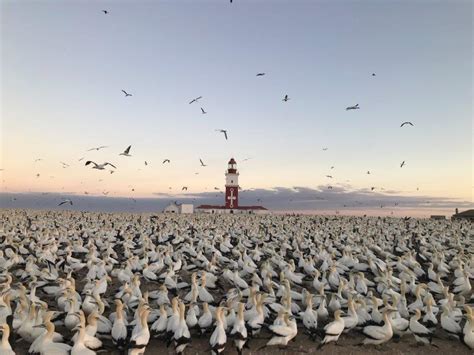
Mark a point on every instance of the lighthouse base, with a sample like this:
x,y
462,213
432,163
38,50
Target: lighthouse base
x,y
210,209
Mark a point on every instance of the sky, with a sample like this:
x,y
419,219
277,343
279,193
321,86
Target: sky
x,y
64,64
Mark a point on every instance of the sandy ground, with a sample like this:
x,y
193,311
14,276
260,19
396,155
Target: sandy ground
x,y
302,345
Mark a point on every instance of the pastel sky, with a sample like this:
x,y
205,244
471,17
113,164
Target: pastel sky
x,y
64,64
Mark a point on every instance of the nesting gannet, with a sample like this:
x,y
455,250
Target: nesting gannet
x,y
181,336
334,329
5,347
377,335
218,337
422,334
239,330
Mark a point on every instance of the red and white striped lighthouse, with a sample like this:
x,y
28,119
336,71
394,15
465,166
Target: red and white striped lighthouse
x,y
232,185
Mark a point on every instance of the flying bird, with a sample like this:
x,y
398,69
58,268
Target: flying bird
x,y
105,12
286,98
368,172
216,188
325,149
126,152
39,159
38,175
64,164
126,93
372,188
105,193
99,166
329,176
146,163
260,74
166,161
373,74
184,188
202,163
97,148
223,131
402,164
355,107
195,100
202,111
65,201
405,123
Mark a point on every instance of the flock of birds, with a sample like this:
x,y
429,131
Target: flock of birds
x,y
80,283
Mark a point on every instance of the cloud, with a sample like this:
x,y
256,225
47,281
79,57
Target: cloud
x,y
298,198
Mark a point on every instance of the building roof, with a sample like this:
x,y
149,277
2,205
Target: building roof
x,y
211,207
465,214
232,161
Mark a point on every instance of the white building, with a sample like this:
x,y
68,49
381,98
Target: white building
x,y
179,208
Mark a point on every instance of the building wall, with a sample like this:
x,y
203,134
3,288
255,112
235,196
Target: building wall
x,y
171,209
186,208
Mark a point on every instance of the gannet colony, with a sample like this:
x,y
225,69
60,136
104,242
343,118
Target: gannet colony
x,y
86,283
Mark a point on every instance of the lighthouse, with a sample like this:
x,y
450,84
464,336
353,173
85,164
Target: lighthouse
x,y
231,199
232,185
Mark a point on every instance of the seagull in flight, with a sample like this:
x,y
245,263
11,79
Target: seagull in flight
x,y
260,74
202,163
402,164
223,131
166,161
406,123
325,149
373,74
97,148
329,176
195,100
202,111
37,160
105,12
126,152
286,98
368,172
146,163
126,93
372,188
65,201
64,164
355,107
184,188
105,193
99,166
216,188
